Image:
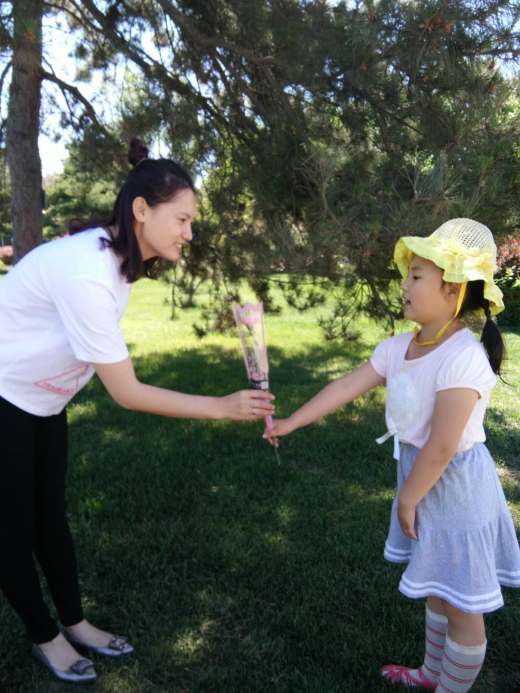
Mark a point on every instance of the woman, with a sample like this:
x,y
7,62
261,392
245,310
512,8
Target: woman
x,y
60,308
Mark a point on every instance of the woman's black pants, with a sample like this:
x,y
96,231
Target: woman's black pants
x,y
33,522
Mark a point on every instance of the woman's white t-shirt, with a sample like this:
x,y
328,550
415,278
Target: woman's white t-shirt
x,y
412,385
60,308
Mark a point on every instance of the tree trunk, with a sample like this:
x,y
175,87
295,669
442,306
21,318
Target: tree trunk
x,y
23,125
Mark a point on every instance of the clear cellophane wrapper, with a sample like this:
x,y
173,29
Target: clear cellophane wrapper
x,y
249,319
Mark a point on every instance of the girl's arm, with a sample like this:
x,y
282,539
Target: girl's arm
x,y
123,386
332,396
450,416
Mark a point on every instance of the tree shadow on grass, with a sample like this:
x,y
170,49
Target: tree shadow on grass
x,y
231,572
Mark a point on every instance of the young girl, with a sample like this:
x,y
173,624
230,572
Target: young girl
x,y
60,308
450,521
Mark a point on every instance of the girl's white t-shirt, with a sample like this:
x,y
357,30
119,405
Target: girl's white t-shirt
x,y
60,308
412,385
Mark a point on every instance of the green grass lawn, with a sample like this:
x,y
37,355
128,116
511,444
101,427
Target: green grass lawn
x,y
228,571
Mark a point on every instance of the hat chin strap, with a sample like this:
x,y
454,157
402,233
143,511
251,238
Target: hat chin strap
x,y
442,331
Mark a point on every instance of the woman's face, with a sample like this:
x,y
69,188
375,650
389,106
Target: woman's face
x,y
162,231
426,298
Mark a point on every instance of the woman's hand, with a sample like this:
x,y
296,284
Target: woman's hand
x,y
280,427
406,515
121,382
246,405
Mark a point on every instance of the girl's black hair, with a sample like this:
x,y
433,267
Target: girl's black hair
x,y
156,180
491,336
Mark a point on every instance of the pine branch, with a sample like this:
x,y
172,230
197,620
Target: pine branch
x,y
3,76
64,7
6,40
511,52
212,43
151,68
261,64
78,96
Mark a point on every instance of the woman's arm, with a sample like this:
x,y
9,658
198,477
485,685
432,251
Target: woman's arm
x,y
123,386
332,396
450,416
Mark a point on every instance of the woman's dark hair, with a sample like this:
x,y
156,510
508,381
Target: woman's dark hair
x,y
491,336
156,180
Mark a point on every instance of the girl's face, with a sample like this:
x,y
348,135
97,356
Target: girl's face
x,y
163,230
426,298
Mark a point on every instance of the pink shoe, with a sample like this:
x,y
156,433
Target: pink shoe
x,y
400,674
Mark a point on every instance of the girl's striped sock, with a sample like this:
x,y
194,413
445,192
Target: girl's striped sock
x,y
460,666
435,637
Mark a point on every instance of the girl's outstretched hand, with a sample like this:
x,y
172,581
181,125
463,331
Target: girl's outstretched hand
x,y
280,427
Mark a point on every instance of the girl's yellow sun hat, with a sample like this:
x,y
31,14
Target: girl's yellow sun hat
x,y
463,248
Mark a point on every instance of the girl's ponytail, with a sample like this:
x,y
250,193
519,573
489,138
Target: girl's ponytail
x,y
491,336
493,342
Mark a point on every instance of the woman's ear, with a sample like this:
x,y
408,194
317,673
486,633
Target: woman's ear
x,y
139,207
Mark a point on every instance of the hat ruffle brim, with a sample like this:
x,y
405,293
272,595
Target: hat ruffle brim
x,y
458,266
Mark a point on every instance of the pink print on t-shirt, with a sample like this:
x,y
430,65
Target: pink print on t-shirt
x,y
67,383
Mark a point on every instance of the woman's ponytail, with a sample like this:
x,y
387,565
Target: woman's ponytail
x,y
491,336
